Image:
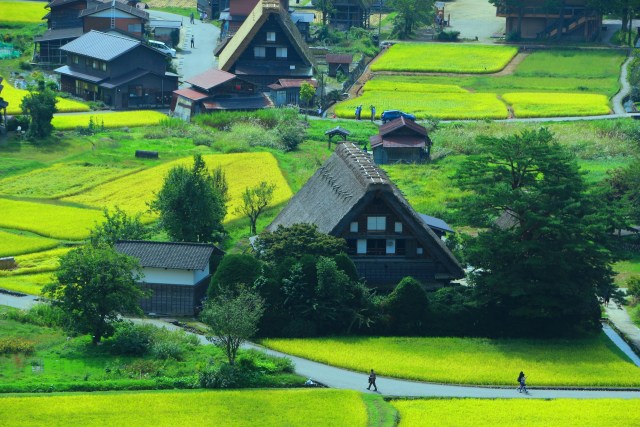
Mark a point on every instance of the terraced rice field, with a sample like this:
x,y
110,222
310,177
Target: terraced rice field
x,y
12,244
134,191
585,362
21,11
557,104
445,58
30,284
156,409
14,96
109,120
38,262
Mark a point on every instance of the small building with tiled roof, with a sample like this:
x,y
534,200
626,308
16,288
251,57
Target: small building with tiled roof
x,y
119,71
114,15
352,198
338,62
217,90
177,274
267,47
401,141
287,91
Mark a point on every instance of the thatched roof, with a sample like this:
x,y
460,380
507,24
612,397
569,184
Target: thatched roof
x,y
342,187
250,27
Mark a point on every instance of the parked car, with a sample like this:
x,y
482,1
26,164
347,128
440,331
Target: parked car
x,y
158,45
389,115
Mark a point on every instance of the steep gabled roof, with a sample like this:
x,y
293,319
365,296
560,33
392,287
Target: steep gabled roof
x,y
95,44
173,255
343,186
250,27
401,122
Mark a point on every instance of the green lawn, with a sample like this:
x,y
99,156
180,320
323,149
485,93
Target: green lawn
x,y
516,412
587,362
229,408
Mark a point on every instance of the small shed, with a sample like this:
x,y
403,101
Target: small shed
x,y
337,131
166,31
287,91
338,62
401,141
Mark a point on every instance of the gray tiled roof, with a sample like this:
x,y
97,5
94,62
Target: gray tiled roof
x,y
95,44
174,255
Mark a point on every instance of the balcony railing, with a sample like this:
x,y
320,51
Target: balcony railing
x,y
568,12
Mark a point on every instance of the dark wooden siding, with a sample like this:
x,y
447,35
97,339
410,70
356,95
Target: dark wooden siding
x,y
174,300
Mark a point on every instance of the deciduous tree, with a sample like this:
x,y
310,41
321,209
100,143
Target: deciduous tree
x,y
296,241
117,226
40,107
410,15
254,201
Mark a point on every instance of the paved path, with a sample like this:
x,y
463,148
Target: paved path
x,y
620,318
474,18
345,379
193,61
625,89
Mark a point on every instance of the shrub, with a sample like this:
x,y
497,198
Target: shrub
x,y
407,307
448,36
224,376
130,339
234,269
10,345
15,121
40,315
633,288
168,350
202,140
291,135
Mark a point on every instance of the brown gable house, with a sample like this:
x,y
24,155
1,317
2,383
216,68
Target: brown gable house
x,y
176,274
401,141
121,72
350,13
216,90
350,197
267,47
536,19
338,62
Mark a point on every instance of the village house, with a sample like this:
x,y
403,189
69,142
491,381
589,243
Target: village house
x,y
176,274
287,91
69,19
267,47
216,90
400,141
536,19
350,13
338,62
121,72
350,197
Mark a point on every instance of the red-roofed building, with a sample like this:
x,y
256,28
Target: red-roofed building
x,y
287,91
217,90
401,141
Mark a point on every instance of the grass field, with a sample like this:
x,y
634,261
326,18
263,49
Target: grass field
x,y
229,408
60,179
516,412
109,119
21,243
557,104
20,11
444,58
37,262
58,222
588,362
244,169
14,96
579,64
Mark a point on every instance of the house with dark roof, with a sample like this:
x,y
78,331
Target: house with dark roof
x,y
121,72
267,47
350,13
217,90
69,19
338,62
401,141
350,197
177,274
287,91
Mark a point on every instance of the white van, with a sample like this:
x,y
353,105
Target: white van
x,y
158,45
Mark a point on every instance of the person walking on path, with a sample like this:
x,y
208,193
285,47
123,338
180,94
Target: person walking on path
x,y
372,381
191,20
373,113
522,380
358,112
193,42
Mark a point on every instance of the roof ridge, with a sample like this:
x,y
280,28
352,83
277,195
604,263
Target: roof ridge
x,y
361,165
167,243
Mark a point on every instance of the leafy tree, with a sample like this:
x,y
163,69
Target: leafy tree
x,y
407,307
117,226
40,107
307,92
95,286
254,201
542,259
234,270
633,288
190,205
296,241
624,186
411,14
220,183
232,319
325,7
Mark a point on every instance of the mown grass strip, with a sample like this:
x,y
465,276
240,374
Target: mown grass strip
x,y
229,408
583,362
445,58
517,412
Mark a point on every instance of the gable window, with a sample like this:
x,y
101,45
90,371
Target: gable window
x,y
353,227
376,223
259,52
419,251
281,52
398,227
391,246
271,36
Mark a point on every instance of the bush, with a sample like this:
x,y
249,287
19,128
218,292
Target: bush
x,y
40,315
633,288
168,350
15,121
407,307
205,140
26,65
224,376
448,36
130,339
11,345
234,269
291,135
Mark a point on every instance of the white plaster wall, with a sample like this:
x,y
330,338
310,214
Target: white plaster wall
x,y
172,277
200,274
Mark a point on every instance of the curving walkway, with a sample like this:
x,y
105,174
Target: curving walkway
x,y
625,89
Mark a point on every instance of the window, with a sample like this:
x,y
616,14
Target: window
x,y
419,251
259,52
391,246
281,52
376,223
362,246
398,227
353,227
376,247
76,59
134,28
271,36
103,66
